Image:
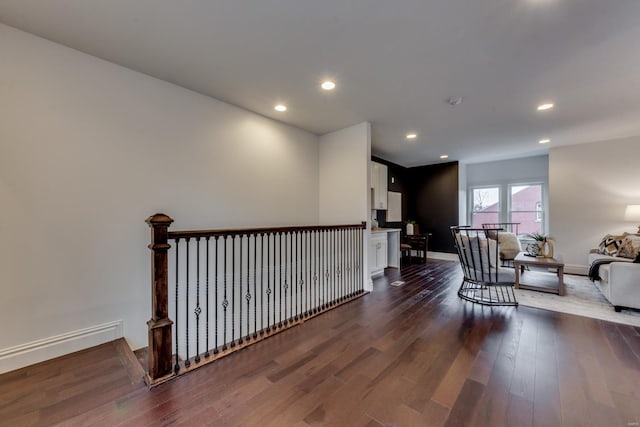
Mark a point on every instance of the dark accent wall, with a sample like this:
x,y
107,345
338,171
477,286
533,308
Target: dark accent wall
x,y
429,197
396,181
434,192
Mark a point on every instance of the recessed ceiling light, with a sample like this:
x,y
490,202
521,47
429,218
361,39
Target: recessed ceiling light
x,y
280,107
545,106
412,135
454,100
544,141
444,156
328,85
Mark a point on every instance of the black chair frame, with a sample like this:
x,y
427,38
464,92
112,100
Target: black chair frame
x,y
481,282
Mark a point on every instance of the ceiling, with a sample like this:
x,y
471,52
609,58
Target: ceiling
x,y
395,64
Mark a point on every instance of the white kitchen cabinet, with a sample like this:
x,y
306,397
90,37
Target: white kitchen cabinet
x,y
378,251
379,185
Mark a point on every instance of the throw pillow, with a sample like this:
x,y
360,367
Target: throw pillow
x,y
492,234
509,245
478,252
610,244
630,246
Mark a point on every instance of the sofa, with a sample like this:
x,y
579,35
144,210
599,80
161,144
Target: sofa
x,y
614,272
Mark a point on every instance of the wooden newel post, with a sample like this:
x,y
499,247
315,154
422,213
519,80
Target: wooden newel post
x,y
160,359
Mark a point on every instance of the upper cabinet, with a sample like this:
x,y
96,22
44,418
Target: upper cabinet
x,y
378,186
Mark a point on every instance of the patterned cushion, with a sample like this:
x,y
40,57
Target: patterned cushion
x,y
629,247
610,244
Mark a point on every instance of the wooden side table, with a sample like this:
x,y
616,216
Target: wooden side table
x,y
543,281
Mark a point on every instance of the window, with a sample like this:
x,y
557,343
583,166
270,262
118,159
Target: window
x,y
486,206
525,204
525,207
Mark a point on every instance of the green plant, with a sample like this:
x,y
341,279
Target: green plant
x,y
538,237
410,221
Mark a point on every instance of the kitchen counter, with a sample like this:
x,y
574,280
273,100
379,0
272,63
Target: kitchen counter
x,y
383,230
384,250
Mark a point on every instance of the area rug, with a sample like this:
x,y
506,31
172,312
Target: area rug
x,y
581,298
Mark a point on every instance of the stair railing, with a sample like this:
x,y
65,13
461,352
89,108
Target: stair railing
x,y
227,289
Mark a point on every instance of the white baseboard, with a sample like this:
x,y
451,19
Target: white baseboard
x,y
582,270
443,255
38,351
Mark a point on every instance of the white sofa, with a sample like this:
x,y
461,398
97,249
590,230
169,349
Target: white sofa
x,y
619,280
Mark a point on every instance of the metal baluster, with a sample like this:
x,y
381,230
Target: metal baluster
x,y
255,286
273,274
262,254
294,273
353,261
314,289
187,362
206,353
176,367
268,283
303,295
327,266
225,301
240,341
288,272
341,254
197,310
280,281
215,302
361,264
321,271
335,267
233,291
347,257
341,265
295,291
309,264
350,260
248,295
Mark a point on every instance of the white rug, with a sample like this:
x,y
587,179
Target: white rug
x,y
581,298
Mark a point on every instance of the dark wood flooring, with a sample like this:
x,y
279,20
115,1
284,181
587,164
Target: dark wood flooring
x,y
414,355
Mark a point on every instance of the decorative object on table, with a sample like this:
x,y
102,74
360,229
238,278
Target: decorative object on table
x,y
544,243
632,214
411,227
533,249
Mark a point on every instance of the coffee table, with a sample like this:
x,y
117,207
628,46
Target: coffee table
x,y
540,281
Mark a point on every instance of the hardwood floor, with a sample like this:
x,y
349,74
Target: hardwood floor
x,y
414,355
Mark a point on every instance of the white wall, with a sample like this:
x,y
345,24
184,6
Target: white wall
x,y
462,194
344,181
523,169
88,150
590,186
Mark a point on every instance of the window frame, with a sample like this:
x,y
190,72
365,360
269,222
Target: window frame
x,y
472,211
505,211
